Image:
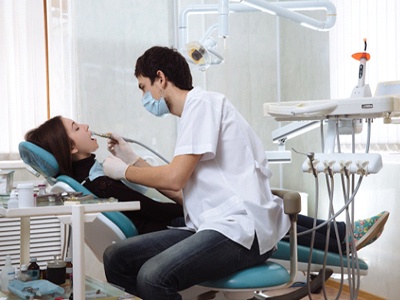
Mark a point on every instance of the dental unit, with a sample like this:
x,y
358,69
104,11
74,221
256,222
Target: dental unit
x,y
342,117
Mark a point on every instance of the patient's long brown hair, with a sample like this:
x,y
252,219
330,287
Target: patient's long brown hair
x,y
53,137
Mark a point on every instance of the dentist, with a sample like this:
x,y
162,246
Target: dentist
x,y
219,173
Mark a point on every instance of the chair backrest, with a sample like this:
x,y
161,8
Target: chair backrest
x,y
113,226
42,161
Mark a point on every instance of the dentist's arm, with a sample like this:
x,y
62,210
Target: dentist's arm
x,y
123,150
169,178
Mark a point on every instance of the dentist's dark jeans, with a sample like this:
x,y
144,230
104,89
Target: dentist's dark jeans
x,y
159,264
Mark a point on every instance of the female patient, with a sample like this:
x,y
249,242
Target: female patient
x,y
72,145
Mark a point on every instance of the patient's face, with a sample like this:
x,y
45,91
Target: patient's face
x,y
80,134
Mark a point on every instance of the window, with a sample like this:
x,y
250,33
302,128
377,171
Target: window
x,y
377,21
35,68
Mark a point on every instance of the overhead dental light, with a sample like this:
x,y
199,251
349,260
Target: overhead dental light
x,y
201,54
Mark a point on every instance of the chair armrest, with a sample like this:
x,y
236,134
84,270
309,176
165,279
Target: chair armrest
x,y
292,207
291,201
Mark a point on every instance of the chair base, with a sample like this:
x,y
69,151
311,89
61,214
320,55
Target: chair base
x,y
315,284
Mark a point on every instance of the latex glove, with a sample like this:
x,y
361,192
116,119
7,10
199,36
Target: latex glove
x,y
121,149
115,167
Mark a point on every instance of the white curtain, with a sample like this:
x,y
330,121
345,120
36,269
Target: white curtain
x,y
378,22
22,71
61,43
23,90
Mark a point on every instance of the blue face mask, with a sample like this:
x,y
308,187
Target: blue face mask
x,y
156,107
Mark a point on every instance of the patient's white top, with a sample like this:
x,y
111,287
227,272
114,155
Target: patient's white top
x,y
229,190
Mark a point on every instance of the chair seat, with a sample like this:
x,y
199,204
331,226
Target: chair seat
x,y
255,277
267,274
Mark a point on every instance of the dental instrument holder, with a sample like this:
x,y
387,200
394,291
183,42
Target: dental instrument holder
x,y
354,163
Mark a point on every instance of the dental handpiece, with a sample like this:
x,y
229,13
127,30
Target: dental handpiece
x,y
108,136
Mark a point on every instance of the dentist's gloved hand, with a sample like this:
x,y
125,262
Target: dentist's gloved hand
x,y
121,149
115,167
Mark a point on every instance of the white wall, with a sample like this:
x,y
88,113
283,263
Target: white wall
x,y
379,192
110,35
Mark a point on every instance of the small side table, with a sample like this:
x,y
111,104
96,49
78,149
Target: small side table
x,y
77,215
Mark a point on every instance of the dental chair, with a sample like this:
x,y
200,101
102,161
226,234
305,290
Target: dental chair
x,y
113,226
254,282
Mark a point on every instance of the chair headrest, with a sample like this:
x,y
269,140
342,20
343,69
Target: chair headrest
x,y
39,159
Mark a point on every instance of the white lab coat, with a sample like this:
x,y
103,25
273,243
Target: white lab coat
x,y
229,190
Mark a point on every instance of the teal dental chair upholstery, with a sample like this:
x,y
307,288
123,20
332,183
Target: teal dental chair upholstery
x,y
113,226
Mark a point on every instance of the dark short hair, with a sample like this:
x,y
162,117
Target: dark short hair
x,y
167,60
53,137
